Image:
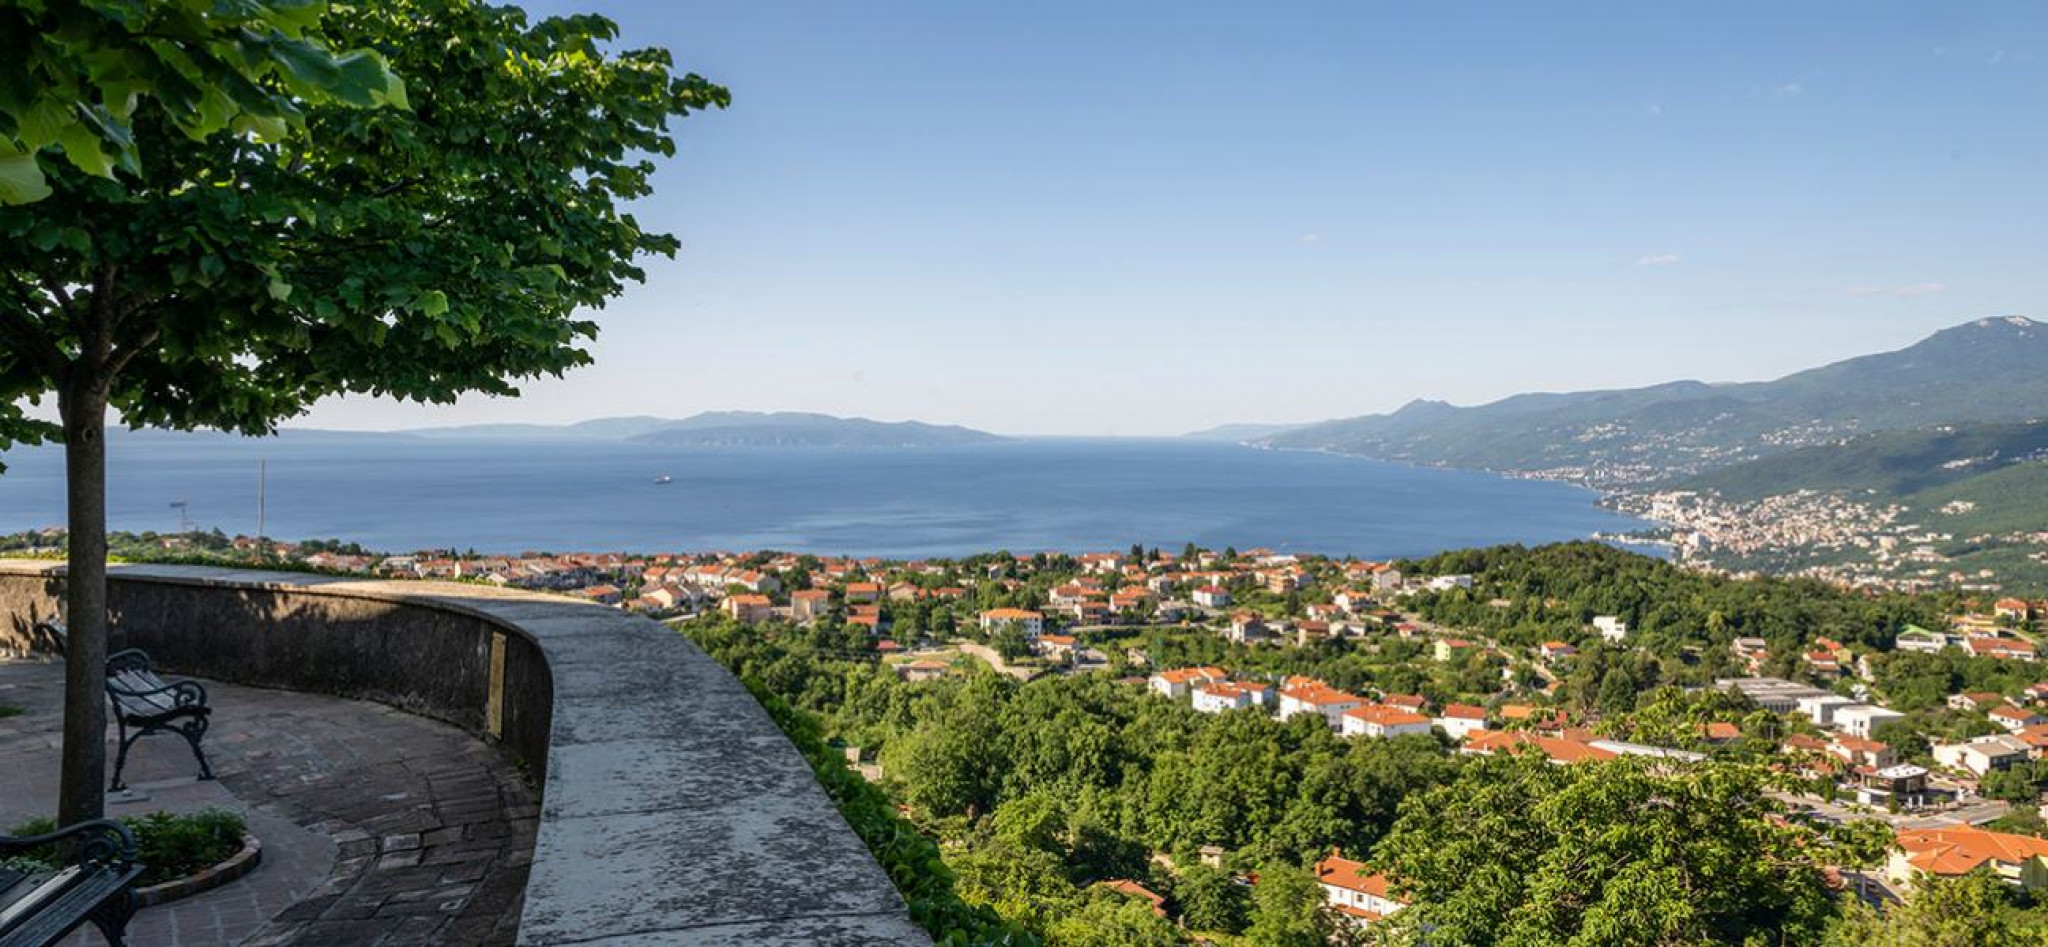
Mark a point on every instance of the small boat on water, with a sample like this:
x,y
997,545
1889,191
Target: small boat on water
x,y
664,478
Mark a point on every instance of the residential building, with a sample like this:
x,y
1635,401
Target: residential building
x,y
1947,852
2012,649
1558,749
1858,751
1821,708
1774,694
1611,628
1447,648
1863,720
1023,620
1903,782
1458,720
1178,682
1300,695
1979,701
1212,596
1056,647
1380,720
749,608
1355,891
1556,651
1916,638
2014,719
1981,755
1216,697
1133,889
809,604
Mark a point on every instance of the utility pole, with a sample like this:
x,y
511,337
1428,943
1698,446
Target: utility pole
x,y
184,522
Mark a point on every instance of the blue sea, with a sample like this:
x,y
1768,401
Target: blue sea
x,y
401,493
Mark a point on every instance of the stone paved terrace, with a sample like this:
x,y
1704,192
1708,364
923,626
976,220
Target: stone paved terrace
x,y
672,812
377,825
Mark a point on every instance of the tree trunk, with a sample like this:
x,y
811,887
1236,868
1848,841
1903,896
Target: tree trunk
x,y
83,403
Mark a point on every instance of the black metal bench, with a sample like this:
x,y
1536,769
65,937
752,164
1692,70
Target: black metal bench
x,y
145,704
40,905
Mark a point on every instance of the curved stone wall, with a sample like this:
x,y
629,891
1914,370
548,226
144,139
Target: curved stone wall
x,y
673,810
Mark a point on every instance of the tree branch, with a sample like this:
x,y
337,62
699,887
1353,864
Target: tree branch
x,y
33,341
133,347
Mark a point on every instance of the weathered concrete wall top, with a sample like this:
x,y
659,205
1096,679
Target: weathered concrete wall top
x,y
674,811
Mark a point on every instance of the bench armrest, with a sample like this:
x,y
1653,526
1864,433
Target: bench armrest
x,y
183,693
100,841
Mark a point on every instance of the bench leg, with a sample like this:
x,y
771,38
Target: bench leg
x,y
112,918
121,759
192,732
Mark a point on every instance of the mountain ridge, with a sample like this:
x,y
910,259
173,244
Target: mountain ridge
x,y
729,428
1984,370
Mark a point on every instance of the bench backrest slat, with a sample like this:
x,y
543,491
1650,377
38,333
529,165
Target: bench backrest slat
x,y
42,894
70,907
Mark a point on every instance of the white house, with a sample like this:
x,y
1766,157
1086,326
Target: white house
x,y
1178,682
1305,695
1460,719
1360,895
1916,638
1862,720
2014,719
1610,627
1028,622
1216,697
1821,708
1379,720
1212,596
1445,583
1983,754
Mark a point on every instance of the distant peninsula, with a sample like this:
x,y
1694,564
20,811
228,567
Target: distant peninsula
x,y
733,429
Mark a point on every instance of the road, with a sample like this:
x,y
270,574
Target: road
x,y
1974,812
994,660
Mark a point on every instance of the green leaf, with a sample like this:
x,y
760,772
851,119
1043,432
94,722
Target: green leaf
x,y
21,179
433,303
82,147
41,124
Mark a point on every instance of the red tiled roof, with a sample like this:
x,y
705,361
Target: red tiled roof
x,y
1960,850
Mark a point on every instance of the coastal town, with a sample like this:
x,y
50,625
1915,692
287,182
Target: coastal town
x,y
1936,728
1837,539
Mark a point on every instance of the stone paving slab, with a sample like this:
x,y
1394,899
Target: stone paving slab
x,y
378,827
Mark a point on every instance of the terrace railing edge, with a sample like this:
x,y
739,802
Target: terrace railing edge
x,y
673,809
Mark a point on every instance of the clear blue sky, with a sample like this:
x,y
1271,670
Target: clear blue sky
x,y
1136,218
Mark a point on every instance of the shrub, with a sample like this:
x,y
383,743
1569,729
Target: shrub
x,y
169,846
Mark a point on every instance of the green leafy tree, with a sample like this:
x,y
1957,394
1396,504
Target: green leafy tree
x,y
74,74
1112,920
1520,852
945,771
1211,901
1288,909
1974,910
1024,885
229,281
